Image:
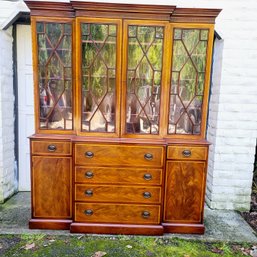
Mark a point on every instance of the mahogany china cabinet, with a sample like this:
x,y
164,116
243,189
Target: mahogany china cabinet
x,y
121,101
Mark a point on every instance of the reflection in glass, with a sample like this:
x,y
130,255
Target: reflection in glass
x,y
144,74
187,83
55,75
98,77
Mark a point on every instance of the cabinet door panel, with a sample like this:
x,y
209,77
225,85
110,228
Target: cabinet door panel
x,y
51,187
185,190
99,75
53,61
143,77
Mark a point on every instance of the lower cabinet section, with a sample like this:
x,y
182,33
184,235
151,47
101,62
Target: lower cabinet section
x,y
147,190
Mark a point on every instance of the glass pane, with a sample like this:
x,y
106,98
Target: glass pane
x,y
144,75
187,82
98,77
55,75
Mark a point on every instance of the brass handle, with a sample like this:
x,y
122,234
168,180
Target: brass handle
x,y
147,176
89,192
88,212
145,214
89,174
52,148
89,154
147,195
148,156
187,153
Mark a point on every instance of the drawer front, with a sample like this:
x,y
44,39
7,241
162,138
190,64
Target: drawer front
x,y
118,175
117,213
187,152
90,154
51,147
122,194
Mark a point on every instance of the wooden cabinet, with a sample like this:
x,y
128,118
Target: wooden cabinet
x,y
121,96
51,185
185,190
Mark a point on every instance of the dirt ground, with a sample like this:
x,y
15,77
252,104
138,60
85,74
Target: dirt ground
x,y
251,216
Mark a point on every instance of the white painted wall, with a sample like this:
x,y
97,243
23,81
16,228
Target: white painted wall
x,y
8,182
25,103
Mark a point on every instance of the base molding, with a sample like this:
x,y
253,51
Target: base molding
x,y
49,224
183,228
123,229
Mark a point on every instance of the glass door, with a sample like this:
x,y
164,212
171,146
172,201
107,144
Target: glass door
x,y
143,78
53,74
99,65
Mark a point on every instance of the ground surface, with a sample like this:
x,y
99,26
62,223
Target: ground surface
x,y
251,216
118,246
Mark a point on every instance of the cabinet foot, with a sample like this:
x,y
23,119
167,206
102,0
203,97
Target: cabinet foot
x,y
49,224
116,229
183,228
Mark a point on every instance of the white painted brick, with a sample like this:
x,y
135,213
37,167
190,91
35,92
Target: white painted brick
x,y
6,117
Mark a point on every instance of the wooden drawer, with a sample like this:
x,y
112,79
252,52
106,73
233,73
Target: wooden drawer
x,y
118,175
122,194
111,155
117,213
51,147
187,152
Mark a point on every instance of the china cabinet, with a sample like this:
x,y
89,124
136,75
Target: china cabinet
x,y
121,101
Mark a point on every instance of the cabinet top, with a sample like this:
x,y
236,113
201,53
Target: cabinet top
x,y
117,10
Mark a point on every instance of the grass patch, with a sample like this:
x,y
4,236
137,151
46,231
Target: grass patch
x,y
116,246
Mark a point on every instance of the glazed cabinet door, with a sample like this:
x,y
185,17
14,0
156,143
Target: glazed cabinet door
x,y
191,52
143,78
53,74
51,187
99,72
184,191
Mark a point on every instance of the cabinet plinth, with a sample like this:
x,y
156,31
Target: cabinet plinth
x,y
121,98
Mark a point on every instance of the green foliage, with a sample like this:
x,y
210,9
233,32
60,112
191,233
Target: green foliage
x,y
116,246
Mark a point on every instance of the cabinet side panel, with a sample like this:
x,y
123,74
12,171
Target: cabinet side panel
x,y
51,187
185,188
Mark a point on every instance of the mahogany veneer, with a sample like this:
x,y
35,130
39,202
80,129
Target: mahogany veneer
x,y
121,97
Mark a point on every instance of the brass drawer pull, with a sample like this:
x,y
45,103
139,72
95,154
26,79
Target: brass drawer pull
x,y
147,195
89,192
147,176
88,212
51,148
89,174
187,153
89,154
148,156
145,214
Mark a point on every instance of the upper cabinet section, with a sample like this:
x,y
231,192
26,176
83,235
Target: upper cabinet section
x,y
121,70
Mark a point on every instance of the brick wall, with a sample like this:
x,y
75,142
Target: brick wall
x,y
7,161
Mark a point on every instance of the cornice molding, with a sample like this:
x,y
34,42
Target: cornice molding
x,y
118,10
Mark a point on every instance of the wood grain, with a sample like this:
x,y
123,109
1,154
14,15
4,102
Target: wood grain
x,y
120,229
51,187
116,155
197,153
185,190
122,176
117,213
41,147
53,224
115,193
